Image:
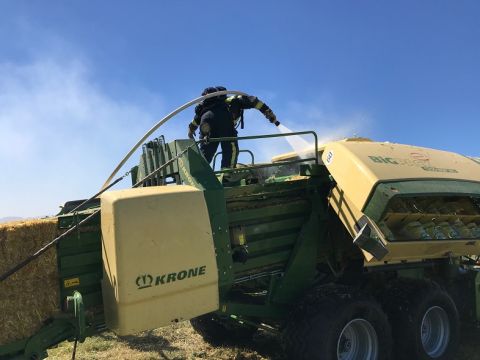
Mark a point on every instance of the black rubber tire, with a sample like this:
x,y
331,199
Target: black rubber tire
x,y
217,331
406,302
313,328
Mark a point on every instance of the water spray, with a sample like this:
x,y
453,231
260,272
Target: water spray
x,y
298,143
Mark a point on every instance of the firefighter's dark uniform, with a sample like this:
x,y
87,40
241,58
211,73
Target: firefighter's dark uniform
x,y
216,121
221,116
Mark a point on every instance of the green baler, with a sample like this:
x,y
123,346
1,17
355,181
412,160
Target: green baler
x,y
316,249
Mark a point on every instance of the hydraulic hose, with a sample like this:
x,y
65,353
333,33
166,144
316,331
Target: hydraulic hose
x,y
163,121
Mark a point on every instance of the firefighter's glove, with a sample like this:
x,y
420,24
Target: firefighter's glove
x,y
271,117
191,130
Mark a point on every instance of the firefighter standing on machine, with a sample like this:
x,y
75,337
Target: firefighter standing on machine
x,y
219,117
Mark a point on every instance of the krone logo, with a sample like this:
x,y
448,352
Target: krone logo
x,y
144,281
147,280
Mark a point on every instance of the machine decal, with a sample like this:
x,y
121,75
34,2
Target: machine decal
x,y
435,169
381,159
418,161
419,156
71,282
329,158
146,280
186,173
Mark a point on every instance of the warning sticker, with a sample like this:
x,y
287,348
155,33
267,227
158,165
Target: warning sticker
x,y
71,282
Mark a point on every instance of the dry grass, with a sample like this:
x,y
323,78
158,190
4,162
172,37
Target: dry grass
x,y
181,342
177,342
31,295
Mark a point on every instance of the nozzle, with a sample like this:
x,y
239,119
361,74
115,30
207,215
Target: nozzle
x,y
274,120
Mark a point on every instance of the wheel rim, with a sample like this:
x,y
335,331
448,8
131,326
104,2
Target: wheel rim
x,y
435,331
357,341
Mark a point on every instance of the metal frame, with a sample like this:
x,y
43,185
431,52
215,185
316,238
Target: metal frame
x,y
279,163
267,136
239,151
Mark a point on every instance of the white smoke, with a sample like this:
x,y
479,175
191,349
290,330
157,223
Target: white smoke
x,y
329,125
60,134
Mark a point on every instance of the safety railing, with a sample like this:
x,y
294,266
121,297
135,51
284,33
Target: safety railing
x,y
279,163
252,162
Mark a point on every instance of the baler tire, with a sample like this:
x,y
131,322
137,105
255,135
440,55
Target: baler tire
x,y
217,331
407,303
315,327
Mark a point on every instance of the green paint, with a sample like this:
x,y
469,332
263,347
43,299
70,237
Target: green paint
x,y
75,305
254,311
195,171
300,269
80,256
477,296
384,192
13,350
415,273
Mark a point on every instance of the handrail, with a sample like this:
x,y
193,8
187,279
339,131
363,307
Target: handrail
x,y
260,166
239,151
234,138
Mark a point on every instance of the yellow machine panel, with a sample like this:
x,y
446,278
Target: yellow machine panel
x,y
420,203
155,263
358,166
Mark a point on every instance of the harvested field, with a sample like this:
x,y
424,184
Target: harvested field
x,y
31,295
181,342
178,341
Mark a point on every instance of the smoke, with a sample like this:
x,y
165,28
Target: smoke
x,y
60,133
328,123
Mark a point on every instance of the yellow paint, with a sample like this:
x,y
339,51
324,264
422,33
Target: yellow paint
x,y
310,151
356,174
148,232
71,282
241,239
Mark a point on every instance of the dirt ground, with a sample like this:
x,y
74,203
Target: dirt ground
x,y
180,342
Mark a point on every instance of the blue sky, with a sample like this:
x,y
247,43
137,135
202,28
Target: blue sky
x,y
81,81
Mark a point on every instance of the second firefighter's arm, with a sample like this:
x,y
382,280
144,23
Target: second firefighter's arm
x,y
252,102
